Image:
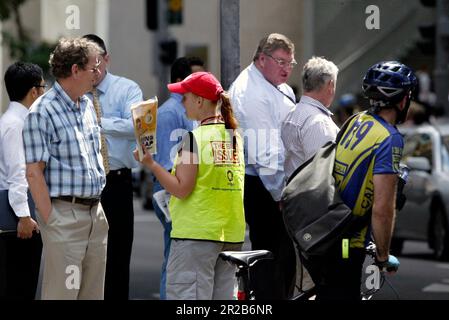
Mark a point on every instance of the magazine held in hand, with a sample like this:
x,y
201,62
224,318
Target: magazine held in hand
x,y
145,121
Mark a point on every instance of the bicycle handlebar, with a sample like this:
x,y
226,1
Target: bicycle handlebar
x,y
391,265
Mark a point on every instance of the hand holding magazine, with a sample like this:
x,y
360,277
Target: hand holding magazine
x,y
162,199
145,122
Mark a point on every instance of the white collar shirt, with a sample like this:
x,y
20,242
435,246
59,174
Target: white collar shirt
x,y
260,108
12,158
306,129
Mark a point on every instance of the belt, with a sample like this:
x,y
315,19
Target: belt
x,y
84,201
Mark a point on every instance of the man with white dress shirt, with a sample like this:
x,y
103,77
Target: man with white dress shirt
x,y
261,100
116,95
20,253
309,125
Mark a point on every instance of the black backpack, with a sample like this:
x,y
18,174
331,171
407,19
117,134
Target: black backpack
x,y
315,216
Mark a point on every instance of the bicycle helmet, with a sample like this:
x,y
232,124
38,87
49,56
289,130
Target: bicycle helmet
x,y
388,82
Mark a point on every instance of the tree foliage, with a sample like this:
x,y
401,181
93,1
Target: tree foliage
x,y
21,46
9,6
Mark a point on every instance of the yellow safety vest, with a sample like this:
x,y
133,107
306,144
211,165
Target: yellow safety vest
x,y
214,210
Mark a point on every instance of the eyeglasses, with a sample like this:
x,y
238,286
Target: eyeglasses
x,y
96,68
282,63
44,86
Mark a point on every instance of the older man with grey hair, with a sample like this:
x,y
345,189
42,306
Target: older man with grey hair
x,y
309,125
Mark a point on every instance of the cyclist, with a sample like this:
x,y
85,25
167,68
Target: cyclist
x,y
366,173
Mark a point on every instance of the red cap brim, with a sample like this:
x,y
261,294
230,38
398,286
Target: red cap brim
x,y
177,88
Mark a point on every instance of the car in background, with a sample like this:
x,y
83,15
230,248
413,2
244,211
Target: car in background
x,y
425,215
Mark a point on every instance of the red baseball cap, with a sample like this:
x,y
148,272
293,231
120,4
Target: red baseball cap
x,y
203,84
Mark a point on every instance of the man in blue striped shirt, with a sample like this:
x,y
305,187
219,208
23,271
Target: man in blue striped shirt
x,y
66,175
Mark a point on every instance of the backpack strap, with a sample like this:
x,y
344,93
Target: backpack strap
x,y
345,126
337,140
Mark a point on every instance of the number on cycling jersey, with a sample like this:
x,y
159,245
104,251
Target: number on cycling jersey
x,y
349,132
359,134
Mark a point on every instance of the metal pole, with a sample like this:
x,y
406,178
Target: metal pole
x,y
309,25
229,41
162,34
442,55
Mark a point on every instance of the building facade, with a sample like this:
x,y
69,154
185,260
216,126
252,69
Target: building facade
x,y
122,24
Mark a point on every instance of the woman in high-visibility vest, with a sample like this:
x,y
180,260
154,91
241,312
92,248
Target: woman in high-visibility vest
x,y
206,185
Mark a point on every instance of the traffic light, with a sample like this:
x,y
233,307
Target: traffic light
x,y
151,14
174,11
168,51
427,44
428,3
173,14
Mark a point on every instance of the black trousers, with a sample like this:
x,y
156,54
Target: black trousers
x,y
117,202
19,266
336,278
271,279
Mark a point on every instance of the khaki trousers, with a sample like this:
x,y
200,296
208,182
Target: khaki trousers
x,y
74,244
